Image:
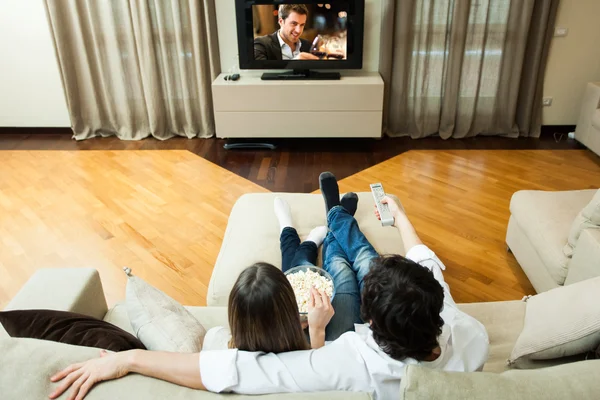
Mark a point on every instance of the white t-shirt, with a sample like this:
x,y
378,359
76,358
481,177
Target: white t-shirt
x,y
353,362
217,338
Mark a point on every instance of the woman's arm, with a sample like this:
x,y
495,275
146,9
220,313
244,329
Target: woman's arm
x,y
179,368
320,312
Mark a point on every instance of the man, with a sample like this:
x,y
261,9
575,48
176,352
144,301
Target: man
x,y
285,44
409,314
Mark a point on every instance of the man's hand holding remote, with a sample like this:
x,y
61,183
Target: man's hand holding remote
x,y
407,231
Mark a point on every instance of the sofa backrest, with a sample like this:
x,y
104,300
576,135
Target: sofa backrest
x,y
570,381
28,364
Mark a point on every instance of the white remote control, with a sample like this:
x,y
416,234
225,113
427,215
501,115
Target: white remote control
x,y
387,219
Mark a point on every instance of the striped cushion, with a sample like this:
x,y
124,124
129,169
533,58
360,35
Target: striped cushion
x,y
561,322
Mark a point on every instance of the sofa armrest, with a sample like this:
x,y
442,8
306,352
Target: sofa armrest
x,y
584,264
77,290
589,105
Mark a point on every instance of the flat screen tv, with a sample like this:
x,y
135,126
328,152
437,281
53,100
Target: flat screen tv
x,y
281,34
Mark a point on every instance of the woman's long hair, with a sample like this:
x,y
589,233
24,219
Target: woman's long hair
x,y
263,313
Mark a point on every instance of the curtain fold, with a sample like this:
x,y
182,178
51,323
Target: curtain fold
x,y
461,68
137,68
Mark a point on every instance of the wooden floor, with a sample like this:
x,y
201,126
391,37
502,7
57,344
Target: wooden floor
x,y
164,212
296,163
458,201
161,213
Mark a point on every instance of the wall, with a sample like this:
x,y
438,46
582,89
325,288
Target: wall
x,y
31,92
227,31
573,60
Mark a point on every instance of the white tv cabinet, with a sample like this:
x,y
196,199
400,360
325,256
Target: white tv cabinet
x,y
253,108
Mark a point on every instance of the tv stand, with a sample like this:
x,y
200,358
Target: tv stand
x,y
250,107
301,75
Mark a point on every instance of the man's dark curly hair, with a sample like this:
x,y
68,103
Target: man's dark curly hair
x,y
402,301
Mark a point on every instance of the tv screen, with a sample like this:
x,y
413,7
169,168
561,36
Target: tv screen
x,y
300,36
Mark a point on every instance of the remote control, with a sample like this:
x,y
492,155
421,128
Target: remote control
x,y
387,219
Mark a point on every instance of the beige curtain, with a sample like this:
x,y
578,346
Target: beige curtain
x,y
463,68
135,68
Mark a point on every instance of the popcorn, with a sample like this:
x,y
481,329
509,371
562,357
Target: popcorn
x,y
302,281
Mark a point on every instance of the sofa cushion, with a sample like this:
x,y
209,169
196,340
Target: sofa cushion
x,y
252,235
588,217
596,119
503,321
159,321
574,381
561,322
545,218
68,327
32,362
209,317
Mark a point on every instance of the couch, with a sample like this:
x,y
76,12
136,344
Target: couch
x,y
537,232
251,235
588,126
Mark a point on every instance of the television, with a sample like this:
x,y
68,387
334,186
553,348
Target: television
x,y
282,34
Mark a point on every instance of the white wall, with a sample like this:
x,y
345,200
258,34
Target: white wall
x,y
31,92
573,60
228,45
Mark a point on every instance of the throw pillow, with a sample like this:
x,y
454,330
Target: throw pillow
x,y
68,327
160,322
560,322
589,217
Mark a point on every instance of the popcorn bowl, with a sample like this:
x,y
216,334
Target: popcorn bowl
x,y
306,295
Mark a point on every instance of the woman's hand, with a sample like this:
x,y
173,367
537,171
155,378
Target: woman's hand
x,y
81,377
320,312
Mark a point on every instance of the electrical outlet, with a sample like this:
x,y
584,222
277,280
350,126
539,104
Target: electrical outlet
x,y
560,32
547,101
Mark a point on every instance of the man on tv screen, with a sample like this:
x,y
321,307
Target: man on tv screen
x,y
285,44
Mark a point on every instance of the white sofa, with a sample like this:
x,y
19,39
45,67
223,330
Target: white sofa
x,y
537,231
252,235
588,126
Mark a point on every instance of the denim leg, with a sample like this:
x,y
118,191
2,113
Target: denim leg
x,y
289,242
346,302
348,235
306,254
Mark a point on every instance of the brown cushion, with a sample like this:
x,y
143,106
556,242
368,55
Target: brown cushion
x,y
67,327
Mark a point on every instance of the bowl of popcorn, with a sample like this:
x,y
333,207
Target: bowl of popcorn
x,y
303,278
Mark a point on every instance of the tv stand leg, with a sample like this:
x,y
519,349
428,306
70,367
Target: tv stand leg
x,y
248,145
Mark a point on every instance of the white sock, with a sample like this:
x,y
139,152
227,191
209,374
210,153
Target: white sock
x,y
283,213
317,235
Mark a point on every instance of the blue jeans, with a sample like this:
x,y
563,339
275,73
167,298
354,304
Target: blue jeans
x,y
347,257
294,253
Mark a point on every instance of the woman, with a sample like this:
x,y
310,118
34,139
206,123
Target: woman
x,y
263,315
263,287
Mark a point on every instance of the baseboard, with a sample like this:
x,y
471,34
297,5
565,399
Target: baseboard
x,y
551,130
20,130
